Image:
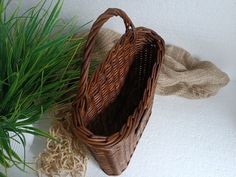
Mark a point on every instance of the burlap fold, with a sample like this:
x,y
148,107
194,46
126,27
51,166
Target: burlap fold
x,y
181,74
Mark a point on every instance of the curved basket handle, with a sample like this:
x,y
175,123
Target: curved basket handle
x,y
91,42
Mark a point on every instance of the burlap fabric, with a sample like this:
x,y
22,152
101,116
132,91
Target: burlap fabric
x,y
181,74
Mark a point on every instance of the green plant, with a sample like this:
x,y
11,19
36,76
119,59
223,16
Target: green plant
x,y
37,69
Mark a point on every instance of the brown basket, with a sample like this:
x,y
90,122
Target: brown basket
x,y
113,105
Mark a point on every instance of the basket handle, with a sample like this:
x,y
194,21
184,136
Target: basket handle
x,y
91,42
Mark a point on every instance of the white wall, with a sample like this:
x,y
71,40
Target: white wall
x,y
190,138
206,28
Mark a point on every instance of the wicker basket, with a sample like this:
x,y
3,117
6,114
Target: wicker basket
x,y
113,105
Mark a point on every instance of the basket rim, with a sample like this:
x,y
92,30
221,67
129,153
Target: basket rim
x,y
101,141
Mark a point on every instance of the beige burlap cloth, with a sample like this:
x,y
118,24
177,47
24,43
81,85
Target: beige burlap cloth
x,y
181,75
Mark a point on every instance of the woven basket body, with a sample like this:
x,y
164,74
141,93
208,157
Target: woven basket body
x,y
113,105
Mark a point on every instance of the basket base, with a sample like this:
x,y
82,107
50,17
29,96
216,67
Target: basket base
x,y
114,167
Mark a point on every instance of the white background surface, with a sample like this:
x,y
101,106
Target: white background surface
x,y
183,138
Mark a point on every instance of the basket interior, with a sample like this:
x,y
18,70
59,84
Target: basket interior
x,y
112,118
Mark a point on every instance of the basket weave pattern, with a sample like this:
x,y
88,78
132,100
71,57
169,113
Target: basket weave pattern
x,y
113,105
